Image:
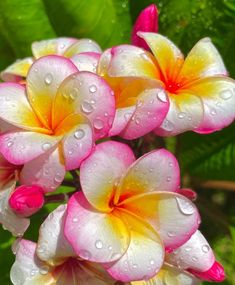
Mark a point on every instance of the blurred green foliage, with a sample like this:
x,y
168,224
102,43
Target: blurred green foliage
x,y
109,22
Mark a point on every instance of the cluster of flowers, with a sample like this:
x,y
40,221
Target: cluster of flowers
x,y
131,222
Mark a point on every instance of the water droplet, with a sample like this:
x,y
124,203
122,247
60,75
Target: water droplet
x,y
58,178
74,93
79,134
137,121
226,94
213,112
188,248
62,46
106,114
171,234
185,206
85,254
87,107
110,248
93,88
48,78
92,101
75,220
112,93
168,126
152,261
10,143
127,116
162,96
205,248
99,244
46,146
135,266
44,270
168,179
41,248
144,56
170,164
194,258
98,124
181,115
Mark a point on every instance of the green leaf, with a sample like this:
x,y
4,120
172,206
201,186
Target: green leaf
x,y
209,156
22,22
106,21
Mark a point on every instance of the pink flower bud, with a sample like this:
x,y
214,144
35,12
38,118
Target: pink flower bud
x,y
26,200
215,273
147,21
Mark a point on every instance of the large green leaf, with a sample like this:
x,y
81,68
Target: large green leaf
x,y
22,22
209,156
106,21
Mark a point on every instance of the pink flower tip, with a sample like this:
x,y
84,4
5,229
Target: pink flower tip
x,y
26,200
188,193
215,273
147,21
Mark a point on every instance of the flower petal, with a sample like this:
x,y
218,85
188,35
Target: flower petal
x,y
27,268
52,246
185,113
21,147
218,98
195,254
144,256
52,46
86,61
15,108
168,56
173,216
78,141
127,60
151,109
170,275
17,70
202,61
155,171
94,236
43,80
147,21
101,170
82,45
88,94
7,171
47,170
10,221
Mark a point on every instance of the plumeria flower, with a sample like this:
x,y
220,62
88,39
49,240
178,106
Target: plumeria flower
x,y
202,97
57,117
52,260
188,265
8,171
129,211
147,21
11,221
84,53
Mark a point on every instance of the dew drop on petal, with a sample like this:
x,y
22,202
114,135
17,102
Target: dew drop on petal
x,y
162,96
44,270
10,143
79,134
46,146
85,254
188,248
75,220
58,178
93,88
99,244
213,112
185,206
168,126
48,79
98,124
74,93
87,107
152,261
226,94
181,115
205,248
127,116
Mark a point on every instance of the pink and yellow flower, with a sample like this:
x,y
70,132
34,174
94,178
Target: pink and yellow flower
x,y
129,211
52,260
56,119
84,53
202,97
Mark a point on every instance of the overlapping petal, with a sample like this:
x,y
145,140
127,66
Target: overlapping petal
x,y
101,172
86,61
86,93
82,45
170,275
7,171
43,80
96,236
18,70
155,171
15,108
173,216
9,220
21,147
46,170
